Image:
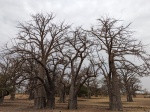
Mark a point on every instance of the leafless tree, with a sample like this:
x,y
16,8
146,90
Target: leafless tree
x,y
3,84
46,52
129,74
37,40
62,81
93,87
77,49
88,85
10,69
115,42
103,87
3,78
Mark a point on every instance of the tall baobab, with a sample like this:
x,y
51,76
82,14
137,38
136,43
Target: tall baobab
x,y
115,42
77,49
37,40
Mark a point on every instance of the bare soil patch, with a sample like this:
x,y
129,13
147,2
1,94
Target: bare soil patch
x,y
96,104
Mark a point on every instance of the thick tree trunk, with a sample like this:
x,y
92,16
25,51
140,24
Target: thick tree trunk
x,y
62,97
31,95
50,102
115,96
12,94
51,96
88,90
31,90
39,99
1,100
40,96
89,94
96,93
62,94
129,95
72,104
134,94
129,98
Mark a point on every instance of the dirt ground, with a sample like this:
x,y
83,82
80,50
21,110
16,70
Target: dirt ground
x,y
96,104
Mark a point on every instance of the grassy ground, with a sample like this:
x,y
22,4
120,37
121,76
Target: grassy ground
x,y
21,104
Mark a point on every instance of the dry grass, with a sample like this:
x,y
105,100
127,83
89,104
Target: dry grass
x,y
21,104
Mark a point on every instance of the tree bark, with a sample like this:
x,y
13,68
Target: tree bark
x,y
31,95
62,94
40,96
89,93
51,101
134,94
51,96
12,94
88,90
129,95
115,96
72,104
39,99
96,93
129,98
115,103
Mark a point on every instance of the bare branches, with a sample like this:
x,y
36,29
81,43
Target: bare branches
x,y
47,52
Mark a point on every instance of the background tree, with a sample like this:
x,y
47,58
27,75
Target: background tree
x,y
88,86
95,86
129,74
62,81
103,87
10,72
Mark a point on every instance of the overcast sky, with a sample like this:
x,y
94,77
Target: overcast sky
x,y
78,12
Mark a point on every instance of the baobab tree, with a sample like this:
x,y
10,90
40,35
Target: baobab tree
x,y
62,81
88,86
103,87
37,40
115,42
128,74
30,67
77,49
4,86
9,73
94,86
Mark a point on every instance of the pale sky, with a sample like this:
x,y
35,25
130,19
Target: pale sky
x,y
78,12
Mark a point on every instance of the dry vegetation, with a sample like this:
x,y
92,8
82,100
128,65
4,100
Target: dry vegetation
x,y
21,104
